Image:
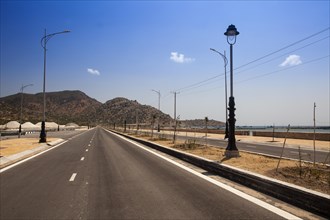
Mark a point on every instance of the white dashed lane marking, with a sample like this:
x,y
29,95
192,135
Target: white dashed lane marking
x,y
73,177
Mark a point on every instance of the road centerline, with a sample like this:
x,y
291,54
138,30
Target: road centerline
x,y
73,177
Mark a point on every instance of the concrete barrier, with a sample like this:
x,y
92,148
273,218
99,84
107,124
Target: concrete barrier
x,y
312,201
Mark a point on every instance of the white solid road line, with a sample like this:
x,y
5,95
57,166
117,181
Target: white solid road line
x,y
29,158
295,152
83,158
73,177
252,199
251,146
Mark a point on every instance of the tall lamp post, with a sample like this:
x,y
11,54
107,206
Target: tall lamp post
x,y
226,98
231,150
158,92
21,115
43,42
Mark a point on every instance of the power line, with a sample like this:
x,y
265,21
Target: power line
x,y
195,84
283,48
291,67
314,42
283,55
262,75
205,82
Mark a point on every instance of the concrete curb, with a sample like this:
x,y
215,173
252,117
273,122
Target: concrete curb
x,y
9,160
306,199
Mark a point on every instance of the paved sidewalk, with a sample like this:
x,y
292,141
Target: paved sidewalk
x,y
13,150
307,144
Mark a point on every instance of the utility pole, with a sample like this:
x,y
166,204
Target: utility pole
x,y
136,120
314,131
158,92
175,122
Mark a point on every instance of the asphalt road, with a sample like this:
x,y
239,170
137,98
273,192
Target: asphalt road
x,y
268,149
98,175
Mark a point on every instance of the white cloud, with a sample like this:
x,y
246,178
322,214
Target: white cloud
x,y
292,60
179,58
93,72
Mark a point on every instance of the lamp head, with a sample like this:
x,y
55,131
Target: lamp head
x,y
231,34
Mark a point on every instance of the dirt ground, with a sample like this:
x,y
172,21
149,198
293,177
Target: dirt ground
x,y
319,145
13,146
302,174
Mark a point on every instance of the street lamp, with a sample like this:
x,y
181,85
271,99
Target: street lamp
x,y
231,150
225,65
21,115
158,92
43,42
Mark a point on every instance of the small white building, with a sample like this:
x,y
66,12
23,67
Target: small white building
x,y
12,125
28,126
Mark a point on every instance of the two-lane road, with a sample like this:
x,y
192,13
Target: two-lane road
x,y
99,175
266,149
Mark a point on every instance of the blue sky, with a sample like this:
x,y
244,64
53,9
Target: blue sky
x,y
128,48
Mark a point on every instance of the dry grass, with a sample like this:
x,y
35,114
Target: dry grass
x,y
13,146
315,178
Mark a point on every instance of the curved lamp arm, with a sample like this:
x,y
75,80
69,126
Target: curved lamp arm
x,y
223,56
46,38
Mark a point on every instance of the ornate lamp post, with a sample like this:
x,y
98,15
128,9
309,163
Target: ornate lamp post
x,y
231,150
44,41
226,104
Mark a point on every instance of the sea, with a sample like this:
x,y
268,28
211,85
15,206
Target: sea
x,y
302,129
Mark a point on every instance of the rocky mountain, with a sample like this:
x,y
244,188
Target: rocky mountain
x,y
200,123
119,110
75,106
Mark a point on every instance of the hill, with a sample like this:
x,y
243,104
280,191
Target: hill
x,y
75,106
200,123
119,110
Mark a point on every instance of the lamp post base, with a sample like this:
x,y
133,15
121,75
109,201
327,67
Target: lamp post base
x,y
43,133
231,150
231,153
19,131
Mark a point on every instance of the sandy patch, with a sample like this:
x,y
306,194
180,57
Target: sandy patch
x,y
13,146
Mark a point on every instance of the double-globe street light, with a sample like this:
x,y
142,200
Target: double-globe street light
x,y
43,42
226,98
231,150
